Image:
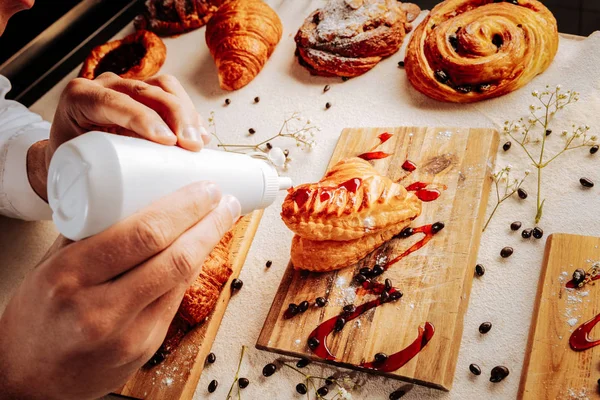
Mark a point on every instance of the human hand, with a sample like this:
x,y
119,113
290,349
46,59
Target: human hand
x,y
96,310
157,109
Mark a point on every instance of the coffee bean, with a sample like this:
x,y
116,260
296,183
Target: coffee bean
x,y
388,284
578,276
301,388
360,278
506,146
397,394
395,295
236,284
479,270
211,358
365,271
548,132
377,270
328,105
522,193
326,88
256,99
594,149
269,369
438,226
380,358
212,386
586,182
323,391
475,370
313,343
498,374
302,307
270,146
384,296
330,380
243,383
506,252
526,234
401,64
485,327
339,324
515,226
349,309
227,101
321,301
538,233
268,264
406,232
303,362
292,309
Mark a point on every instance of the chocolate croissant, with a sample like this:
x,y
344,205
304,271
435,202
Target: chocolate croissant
x,y
345,216
241,36
349,37
172,17
471,50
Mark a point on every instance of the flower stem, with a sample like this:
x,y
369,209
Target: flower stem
x,y
237,374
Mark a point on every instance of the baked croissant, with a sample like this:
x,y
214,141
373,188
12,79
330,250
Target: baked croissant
x,y
471,50
137,56
172,17
349,37
241,36
199,299
345,216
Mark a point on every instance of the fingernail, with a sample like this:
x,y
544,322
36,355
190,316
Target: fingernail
x,y
205,135
234,207
214,194
192,133
164,131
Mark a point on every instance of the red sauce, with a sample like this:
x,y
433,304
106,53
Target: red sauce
x,y
384,137
572,285
422,193
325,195
301,196
374,155
351,185
429,230
413,187
580,338
409,166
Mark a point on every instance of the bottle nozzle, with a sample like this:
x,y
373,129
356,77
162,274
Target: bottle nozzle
x,y
285,183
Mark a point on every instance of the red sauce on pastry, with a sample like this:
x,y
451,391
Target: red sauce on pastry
x,y
325,195
301,196
374,155
580,339
351,185
409,166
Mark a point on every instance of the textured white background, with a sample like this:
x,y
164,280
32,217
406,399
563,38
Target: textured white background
x,y
382,97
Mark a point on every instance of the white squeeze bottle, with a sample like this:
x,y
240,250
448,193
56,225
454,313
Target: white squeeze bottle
x,y
98,179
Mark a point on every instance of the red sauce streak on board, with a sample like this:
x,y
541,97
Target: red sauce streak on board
x,y
384,137
580,338
422,193
409,166
374,155
428,230
413,187
572,285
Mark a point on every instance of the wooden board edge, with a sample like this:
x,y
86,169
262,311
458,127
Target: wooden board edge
x,y
216,315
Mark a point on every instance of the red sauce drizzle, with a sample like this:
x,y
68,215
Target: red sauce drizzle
x,y
572,285
580,339
384,137
409,166
352,185
374,155
429,230
301,196
413,187
325,195
422,193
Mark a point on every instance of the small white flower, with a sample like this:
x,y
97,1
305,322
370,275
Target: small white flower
x,y
527,172
277,156
508,167
564,133
344,394
558,87
535,93
532,107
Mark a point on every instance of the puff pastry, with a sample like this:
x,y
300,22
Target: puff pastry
x,y
349,37
200,298
471,50
241,36
172,17
137,56
345,216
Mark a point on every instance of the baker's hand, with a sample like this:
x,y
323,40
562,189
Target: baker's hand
x,y
96,310
158,109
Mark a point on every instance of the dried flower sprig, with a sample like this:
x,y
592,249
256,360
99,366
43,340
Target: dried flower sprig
x,y
505,188
342,385
300,130
551,101
236,378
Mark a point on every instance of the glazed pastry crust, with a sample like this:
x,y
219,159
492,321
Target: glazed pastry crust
x,y
173,17
486,49
150,64
349,37
241,36
326,211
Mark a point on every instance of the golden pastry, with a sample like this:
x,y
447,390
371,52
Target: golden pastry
x,y
471,50
241,36
137,56
349,37
351,201
172,17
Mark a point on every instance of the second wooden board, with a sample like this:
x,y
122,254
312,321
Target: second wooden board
x,y
436,280
553,370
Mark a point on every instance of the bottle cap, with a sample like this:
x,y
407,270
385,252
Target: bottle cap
x,y
273,183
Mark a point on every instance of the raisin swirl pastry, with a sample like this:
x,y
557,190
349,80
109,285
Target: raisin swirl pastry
x,y
349,37
470,50
172,17
349,213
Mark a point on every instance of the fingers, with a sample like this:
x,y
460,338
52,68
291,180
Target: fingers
x,y
173,105
139,237
177,266
91,104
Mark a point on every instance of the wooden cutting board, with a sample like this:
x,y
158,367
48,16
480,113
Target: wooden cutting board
x,y
551,369
178,375
436,280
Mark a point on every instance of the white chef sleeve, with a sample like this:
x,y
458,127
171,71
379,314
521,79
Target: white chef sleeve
x,y
19,129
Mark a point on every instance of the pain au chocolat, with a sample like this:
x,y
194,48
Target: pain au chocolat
x,y
173,17
349,37
470,50
346,215
137,56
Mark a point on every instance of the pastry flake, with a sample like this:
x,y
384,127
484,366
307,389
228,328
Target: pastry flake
x,y
470,50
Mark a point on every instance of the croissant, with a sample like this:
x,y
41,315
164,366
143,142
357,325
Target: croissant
x,y
137,56
345,216
199,299
470,50
241,36
349,37
172,17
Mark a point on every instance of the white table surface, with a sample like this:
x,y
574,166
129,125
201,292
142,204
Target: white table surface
x,y
382,97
